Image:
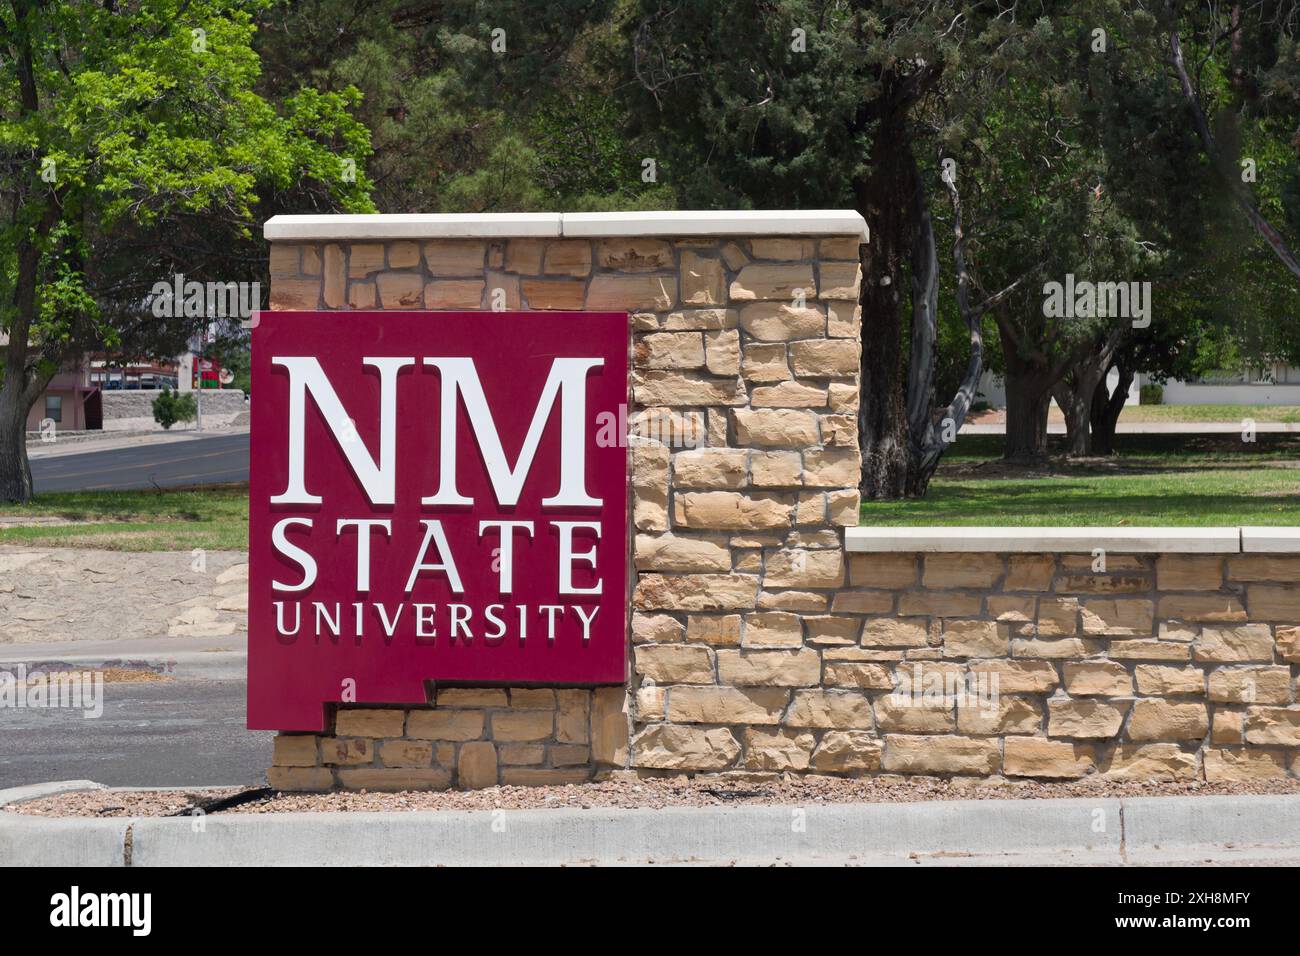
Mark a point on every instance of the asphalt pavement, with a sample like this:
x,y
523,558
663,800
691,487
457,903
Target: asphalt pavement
x,y
195,459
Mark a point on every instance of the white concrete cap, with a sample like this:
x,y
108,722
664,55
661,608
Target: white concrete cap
x,y
1273,540
709,222
743,222
413,226
1057,540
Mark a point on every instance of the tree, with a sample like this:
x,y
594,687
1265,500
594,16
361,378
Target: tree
x,y
125,129
172,407
473,106
810,105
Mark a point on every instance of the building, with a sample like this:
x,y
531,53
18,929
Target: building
x,y
71,401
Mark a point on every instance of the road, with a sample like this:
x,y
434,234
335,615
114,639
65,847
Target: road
x,y
185,731
199,460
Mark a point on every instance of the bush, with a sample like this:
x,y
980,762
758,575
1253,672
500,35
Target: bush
x,y
1151,395
171,407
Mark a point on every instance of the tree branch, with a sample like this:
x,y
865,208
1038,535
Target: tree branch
x,y
1243,196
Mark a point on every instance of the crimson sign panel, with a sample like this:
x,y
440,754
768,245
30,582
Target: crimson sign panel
x,y
433,496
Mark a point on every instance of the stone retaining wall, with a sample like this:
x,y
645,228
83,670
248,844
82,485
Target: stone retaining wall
x,y
757,645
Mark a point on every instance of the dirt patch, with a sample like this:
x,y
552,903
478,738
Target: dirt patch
x,y
627,791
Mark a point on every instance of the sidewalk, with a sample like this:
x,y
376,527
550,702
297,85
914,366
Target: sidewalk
x,y
1099,832
111,441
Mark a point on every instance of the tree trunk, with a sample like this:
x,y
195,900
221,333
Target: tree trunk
x,y
1075,402
1026,439
1106,408
15,471
882,412
1029,393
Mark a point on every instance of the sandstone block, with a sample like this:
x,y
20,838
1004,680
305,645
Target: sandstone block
x,y
554,295
618,293
1273,726
406,753
1156,681
799,568
445,724
671,552
1084,719
1144,763
769,668
1247,642
369,723
974,639
729,511
1097,679
671,747
773,282
846,751
726,705
1189,572
675,663
522,725
905,753
1046,759
837,709
1225,765
634,255
454,257
1017,677
703,280
1005,715
781,321
774,428
1251,685
1028,572
717,631
882,570
773,629
453,294
1154,719
778,751
294,750
825,358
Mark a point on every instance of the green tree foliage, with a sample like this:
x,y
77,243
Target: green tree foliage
x,y
172,407
473,106
126,130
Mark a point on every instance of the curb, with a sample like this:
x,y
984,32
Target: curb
x,y
1106,831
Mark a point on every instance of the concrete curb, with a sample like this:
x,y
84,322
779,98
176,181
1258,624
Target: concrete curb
x,y
1104,831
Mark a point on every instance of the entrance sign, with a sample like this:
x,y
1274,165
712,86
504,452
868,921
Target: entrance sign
x,y
434,496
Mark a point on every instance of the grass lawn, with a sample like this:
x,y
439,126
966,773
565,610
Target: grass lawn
x,y
1154,480
1209,413
215,519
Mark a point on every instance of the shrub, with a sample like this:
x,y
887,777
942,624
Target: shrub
x,y
171,407
1151,395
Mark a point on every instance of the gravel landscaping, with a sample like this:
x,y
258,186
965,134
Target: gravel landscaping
x,y
627,792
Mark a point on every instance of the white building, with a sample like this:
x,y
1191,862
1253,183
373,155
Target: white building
x,y
1274,385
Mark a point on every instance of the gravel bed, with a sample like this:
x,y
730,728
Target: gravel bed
x,y
625,790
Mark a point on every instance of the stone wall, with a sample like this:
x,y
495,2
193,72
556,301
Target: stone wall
x,y
758,645
127,409
1165,667
468,738
745,372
